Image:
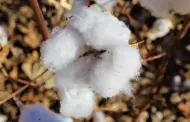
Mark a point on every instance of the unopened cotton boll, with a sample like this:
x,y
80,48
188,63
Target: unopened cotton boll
x,y
160,28
38,113
107,4
77,102
3,36
113,71
61,48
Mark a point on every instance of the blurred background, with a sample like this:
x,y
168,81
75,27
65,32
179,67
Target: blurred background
x,y
162,91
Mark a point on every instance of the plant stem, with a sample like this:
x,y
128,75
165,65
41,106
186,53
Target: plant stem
x,y
40,19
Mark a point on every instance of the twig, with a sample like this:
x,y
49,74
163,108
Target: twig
x,y
40,19
14,94
154,57
144,108
185,31
124,11
23,81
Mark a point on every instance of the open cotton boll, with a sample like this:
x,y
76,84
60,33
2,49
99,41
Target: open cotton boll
x,y
158,8
160,28
77,102
61,48
38,113
107,4
3,36
107,31
113,71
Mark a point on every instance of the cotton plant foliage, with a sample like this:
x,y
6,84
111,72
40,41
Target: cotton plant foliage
x,y
38,113
162,8
105,68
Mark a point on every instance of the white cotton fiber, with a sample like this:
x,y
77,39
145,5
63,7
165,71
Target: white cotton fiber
x,y
3,36
38,113
107,4
181,6
113,71
61,48
98,117
81,17
161,28
162,8
77,102
77,99
63,119
159,8
99,28
74,75
107,31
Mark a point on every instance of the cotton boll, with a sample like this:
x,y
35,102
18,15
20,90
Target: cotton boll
x,y
98,117
107,31
77,102
61,48
107,4
180,6
161,28
3,36
113,71
38,113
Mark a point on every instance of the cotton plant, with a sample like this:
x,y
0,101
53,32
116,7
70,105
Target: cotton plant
x,y
91,54
3,36
38,113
